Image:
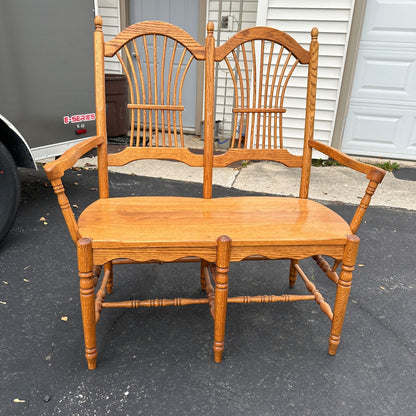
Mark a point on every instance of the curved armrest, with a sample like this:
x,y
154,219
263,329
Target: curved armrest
x,y
373,172
56,169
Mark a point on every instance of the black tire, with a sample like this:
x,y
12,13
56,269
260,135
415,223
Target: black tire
x,y
9,191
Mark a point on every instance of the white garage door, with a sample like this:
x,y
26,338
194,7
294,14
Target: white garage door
x,y
381,120
182,13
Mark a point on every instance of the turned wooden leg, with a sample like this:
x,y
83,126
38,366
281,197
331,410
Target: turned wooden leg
x,y
109,286
204,264
343,292
293,273
87,294
221,294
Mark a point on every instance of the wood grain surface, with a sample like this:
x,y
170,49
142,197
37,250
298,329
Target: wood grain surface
x,y
170,221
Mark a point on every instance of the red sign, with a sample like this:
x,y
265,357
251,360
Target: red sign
x,y
79,118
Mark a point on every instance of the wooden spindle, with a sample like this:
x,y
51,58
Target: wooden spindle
x,y
169,93
96,271
326,309
269,298
162,88
254,92
149,92
204,267
267,92
279,94
130,85
247,79
66,208
260,89
176,95
273,94
185,71
364,203
155,90
240,103
209,290
236,97
326,268
155,303
139,67
109,286
99,297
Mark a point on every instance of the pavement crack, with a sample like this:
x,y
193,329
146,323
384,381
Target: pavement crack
x,y
235,178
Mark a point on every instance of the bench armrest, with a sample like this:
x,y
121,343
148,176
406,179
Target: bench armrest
x,y
56,169
373,172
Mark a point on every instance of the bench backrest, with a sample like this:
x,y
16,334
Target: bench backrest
x,y
259,62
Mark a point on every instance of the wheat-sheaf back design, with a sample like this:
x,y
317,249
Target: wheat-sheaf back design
x,y
155,57
260,63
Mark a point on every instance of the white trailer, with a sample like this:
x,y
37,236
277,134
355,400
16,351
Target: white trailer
x,y
46,87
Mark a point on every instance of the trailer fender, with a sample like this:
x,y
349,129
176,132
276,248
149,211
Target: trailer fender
x,y
16,144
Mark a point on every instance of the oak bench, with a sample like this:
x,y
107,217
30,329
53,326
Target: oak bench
x,y
258,64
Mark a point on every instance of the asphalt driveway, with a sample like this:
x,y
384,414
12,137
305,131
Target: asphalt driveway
x,y
159,361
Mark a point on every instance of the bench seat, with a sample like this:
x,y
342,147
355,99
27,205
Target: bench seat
x,y
251,223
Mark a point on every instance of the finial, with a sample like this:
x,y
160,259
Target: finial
x,y
314,33
98,21
210,28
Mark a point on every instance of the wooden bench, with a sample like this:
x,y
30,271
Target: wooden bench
x,y
259,63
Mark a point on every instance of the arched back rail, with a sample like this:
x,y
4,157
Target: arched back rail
x,y
154,28
264,33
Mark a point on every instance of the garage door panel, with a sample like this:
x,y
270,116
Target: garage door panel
x,y
389,21
385,75
372,130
